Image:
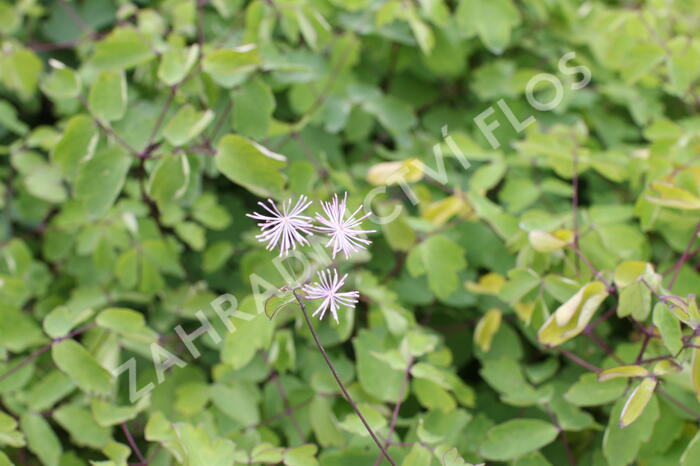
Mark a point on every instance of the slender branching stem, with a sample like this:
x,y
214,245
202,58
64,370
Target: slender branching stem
x,y
132,443
397,407
337,378
684,257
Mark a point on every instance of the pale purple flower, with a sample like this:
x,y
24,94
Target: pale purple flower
x,y
344,233
327,289
286,228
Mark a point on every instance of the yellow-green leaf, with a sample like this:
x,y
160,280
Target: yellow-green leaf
x,y
637,401
669,195
695,369
230,67
440,212
486,328
572,317
622,371
392,173
491,283
543,241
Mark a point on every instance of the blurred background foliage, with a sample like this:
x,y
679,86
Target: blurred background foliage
x,y
534,308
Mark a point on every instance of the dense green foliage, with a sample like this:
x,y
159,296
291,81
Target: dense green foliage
x,y
527,298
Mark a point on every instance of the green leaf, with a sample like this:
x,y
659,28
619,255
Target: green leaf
x,y
251,165
186,125
41,439
253,104
10,18
211,214
63,319
669,328
680,65
216,256
203,449
230,67
691,455
492,21
393,113
107,414
21,69
73,359
192,398
267,453
122,49
238,401
176,63
301,456
421,31
8,432
422,370
46,182
376,376
192,234
506,377
78,142
128,323
520,283
516,437
19,330
8,118
82,427
62,83
440,258
432,396
587,391
108,96
352,423
628,272
49,390
324,423
441,427
418,456
170,178
620,445
635,300
100,180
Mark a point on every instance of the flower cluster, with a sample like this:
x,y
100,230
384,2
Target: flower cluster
x,y
286,227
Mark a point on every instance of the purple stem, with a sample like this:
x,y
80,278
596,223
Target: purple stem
x,y
684,257
578,360
596,272
397,407
574,204
44,349
288,410
132,443
337,379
